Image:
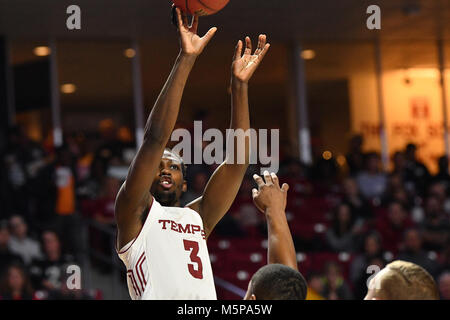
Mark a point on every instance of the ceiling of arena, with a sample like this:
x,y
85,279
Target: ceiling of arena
x,y
93,59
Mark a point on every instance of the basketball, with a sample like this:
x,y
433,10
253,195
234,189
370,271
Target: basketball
x,y
201,7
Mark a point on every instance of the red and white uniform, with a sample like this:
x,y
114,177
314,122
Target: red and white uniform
x,y
169,258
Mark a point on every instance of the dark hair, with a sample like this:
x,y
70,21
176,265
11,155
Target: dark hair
x,y
278,282
411,146
335,220
5,289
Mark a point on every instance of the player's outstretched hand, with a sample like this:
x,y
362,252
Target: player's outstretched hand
x,y
269,194
244,65
191,43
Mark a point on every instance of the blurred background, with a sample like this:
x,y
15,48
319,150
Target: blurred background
x,y
363,118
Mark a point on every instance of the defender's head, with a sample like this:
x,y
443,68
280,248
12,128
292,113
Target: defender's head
x,y
401,280
276,282
169,184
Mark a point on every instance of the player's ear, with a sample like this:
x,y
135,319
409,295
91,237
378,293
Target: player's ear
x,y
184,187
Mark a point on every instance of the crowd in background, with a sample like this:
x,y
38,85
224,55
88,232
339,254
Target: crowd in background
x,y
357,209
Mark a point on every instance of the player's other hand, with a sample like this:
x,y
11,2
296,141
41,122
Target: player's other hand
x,y
244,65
269,194
191,44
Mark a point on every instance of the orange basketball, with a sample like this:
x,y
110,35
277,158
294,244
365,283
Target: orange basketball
x,y
200,7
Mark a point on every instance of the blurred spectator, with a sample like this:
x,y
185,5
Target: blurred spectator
x,y
19,243
372,182
439,190
196,188
48,272
15,284
355,155
393,226
372,249
444,286
325,173
436,226
443,176
335,287
315,286
67,220
104,204
103,212
342,234
294,173
85,158
15,161
6,256
444,259
399,163
243,215
396,191
413,251
416,171
360,283
110,144
360,208
90,187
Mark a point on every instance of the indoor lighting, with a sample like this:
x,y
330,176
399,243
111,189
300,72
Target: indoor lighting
x,y
308,54
129,53
422,73
327,155
41,51
68,88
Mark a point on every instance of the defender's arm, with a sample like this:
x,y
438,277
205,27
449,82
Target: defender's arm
x,y
271,200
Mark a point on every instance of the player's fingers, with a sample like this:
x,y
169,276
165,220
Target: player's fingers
x,y
259,181
208,36
261,44
268,178
264,51
248,46
238,50
194,25
275,179
179,18
185,19
254,193
285,187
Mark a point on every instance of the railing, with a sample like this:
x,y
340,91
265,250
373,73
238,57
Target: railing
x,y
116,289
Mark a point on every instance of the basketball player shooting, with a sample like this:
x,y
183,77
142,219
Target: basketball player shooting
x,y
162,245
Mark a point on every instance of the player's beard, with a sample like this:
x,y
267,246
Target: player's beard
x,y
167,199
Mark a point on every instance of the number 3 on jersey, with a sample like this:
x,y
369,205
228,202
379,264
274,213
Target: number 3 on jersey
x,y
195,272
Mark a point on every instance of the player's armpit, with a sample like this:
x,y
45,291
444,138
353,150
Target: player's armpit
x,y
129,221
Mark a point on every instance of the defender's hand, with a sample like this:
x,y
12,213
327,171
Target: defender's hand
x,y
269,194
191,44
245,65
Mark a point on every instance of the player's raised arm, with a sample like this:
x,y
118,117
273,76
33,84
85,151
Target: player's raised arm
x,y
134,193
271,200
225,182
